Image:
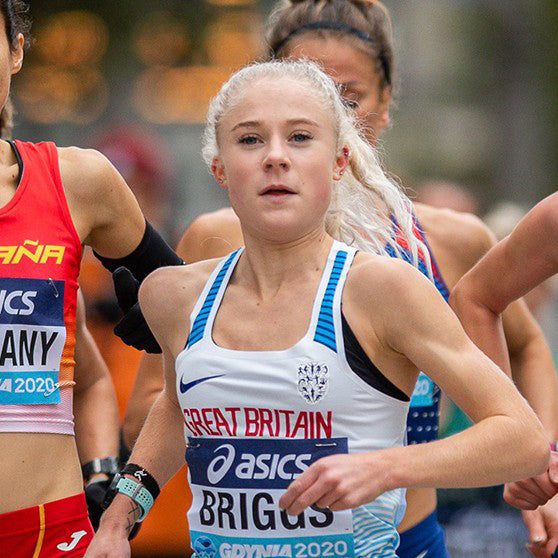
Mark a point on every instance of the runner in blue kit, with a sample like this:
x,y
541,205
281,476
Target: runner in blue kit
x,y
289,363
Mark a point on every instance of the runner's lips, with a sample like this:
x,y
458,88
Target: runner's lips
x,y
277,189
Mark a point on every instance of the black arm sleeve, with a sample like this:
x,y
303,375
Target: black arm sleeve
x,y
152,252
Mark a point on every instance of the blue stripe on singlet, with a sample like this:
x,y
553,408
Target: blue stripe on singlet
x,y
198,327
325,330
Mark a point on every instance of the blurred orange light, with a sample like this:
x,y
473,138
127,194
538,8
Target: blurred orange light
x,y
73,38
177,95
160,39
234,40
49,94
231,2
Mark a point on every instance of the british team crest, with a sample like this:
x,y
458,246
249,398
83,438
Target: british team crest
x,y
313,381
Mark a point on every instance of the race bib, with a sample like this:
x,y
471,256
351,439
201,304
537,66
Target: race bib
x,y
236,484
32,337
423,394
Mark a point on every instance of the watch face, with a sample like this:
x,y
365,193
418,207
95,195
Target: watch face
x,y
107,465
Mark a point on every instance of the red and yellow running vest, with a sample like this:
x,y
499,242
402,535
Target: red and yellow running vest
x,y
40,254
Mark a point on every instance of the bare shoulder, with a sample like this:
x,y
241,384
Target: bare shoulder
x,y
167,297
211,235
461,234
376,278
85,172
385,297
174,286
224,217
101,204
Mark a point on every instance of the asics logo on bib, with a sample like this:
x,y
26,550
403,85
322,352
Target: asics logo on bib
x,y
17,302
257,467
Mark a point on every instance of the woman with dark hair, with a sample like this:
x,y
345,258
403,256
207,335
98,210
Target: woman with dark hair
x,y
52,201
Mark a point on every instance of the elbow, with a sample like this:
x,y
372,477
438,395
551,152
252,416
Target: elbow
x,y
472,304
536,449
462,298
542,455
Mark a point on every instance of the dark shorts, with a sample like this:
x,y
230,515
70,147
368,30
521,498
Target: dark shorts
x,y
424,540
52,530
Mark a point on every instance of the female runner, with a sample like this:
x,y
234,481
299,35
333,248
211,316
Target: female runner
x,y
351,40
289,364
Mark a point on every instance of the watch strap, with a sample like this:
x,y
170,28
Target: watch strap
x,y
107,465
137,492
142,476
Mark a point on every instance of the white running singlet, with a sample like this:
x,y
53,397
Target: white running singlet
x,y
255,420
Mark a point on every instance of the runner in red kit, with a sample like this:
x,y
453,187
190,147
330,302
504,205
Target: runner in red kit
x,y
52,201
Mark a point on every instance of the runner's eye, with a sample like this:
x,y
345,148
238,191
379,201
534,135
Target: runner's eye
x,y
248,140
350,103
300,137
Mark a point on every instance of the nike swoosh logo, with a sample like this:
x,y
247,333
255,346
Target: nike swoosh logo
x,y
185,387
422,554
76,536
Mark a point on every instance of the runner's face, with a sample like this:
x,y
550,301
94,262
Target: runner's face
x,y
353,70
278,159
11,60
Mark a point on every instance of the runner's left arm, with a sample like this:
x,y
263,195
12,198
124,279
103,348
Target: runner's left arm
x,y
161,446
96,413
513,267
477,456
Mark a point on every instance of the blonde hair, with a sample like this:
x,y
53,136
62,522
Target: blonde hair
x,y
365,204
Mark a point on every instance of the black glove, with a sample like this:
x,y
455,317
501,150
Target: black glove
x,y
132,328
94,496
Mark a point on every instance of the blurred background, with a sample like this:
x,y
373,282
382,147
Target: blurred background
x,y
476,95
474,126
